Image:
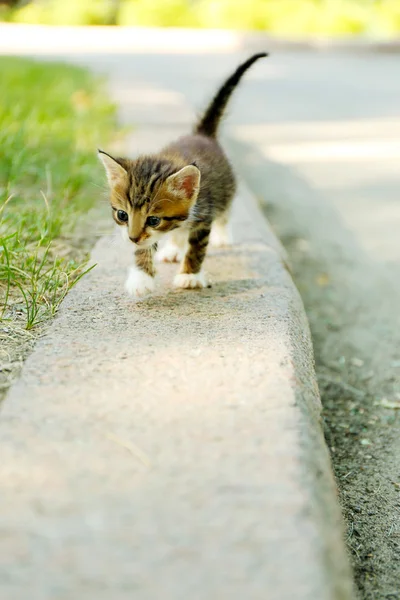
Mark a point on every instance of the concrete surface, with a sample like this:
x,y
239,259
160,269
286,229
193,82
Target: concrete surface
x,y
319,136
172,447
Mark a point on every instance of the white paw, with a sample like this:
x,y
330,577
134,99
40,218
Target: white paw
x,y
139,283
190,280
170,253
220,236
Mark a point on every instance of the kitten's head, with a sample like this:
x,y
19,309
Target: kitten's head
x,y
150,195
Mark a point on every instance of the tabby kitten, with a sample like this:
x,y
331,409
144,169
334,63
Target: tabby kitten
x,y
181,191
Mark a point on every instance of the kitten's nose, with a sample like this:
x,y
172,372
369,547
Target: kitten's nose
x,y
134,239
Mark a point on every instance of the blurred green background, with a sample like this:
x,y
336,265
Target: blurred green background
x,y
379,18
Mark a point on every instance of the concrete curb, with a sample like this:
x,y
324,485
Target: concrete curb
x,y
136,460
42,39
173,447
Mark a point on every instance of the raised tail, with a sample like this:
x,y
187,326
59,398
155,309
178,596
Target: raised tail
x,y
208,124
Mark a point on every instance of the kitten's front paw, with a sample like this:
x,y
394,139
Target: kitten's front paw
x,y
139,283
190,280
170,253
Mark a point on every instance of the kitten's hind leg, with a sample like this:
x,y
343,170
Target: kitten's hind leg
x,y
221,235
191,275
174,248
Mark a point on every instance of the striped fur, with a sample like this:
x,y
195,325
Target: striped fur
x,y
187,185
208,124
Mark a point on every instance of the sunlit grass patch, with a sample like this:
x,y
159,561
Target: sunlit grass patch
x,y
52,117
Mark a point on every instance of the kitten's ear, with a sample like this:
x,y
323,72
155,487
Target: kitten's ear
x,y
185,183
114,170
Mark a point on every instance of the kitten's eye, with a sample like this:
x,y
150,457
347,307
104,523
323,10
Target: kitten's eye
x,y
122,216
153,221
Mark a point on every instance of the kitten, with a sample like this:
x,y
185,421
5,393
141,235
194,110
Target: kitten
x,y
181,191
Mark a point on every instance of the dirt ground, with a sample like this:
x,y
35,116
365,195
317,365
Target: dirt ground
x,y
354,320
360,432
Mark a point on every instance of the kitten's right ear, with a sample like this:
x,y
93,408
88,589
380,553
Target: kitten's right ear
x,y
114,170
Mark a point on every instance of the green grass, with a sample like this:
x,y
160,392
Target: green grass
x,y
52,117
281,17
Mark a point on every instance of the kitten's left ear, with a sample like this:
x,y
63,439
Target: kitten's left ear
x,y
185,183
114,170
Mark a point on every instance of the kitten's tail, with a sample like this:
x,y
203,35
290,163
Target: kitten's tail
x,y
208,124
